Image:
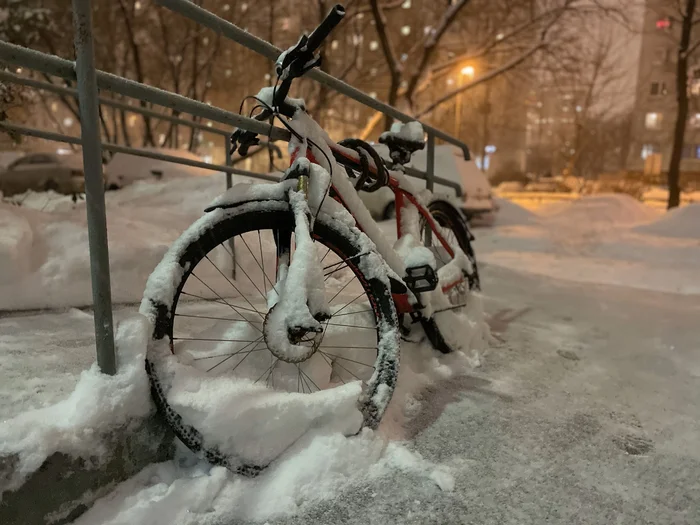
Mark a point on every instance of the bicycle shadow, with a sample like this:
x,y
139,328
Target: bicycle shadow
x,y
501,320
434,398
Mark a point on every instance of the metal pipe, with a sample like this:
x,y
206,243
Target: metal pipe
x,y
70,92
412,172
49,135
94,187
430,164
52,65
235,33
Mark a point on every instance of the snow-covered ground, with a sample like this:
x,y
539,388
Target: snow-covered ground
x,y
584,411
609,239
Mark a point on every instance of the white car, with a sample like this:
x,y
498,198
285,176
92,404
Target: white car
x,y
476,202
44,172
125,169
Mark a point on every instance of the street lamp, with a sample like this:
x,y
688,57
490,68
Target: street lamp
x,y
467,71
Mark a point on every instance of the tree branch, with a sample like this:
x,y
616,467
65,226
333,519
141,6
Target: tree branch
x,y
431,43
484,78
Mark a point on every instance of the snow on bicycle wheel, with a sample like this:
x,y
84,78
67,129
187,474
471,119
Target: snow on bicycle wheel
x,y
220,374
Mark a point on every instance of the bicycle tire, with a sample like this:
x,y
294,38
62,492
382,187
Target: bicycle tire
x,y
448,218
200,240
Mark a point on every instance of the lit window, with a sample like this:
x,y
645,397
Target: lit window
x,y
406,4
695,121
649,149
653,120
373,45
334,45
406,30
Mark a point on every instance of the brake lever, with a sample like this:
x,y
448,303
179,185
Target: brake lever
x,y
242,140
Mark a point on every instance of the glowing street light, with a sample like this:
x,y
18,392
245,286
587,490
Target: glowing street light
x,y
468,71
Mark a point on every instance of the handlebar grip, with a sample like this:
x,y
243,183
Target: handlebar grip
x,y
333,18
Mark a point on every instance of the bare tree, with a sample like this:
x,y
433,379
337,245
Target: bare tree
x,y
684,12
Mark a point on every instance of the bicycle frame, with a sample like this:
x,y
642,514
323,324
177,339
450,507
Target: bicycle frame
x,y
344,192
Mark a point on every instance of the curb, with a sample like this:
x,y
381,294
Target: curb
x,y
64,487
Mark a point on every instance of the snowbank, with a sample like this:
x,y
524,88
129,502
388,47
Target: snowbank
x,y
680,222
614,209
98,404
512,214
44,257
316,469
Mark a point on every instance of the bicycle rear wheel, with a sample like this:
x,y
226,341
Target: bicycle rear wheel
x,y
210,332
454,230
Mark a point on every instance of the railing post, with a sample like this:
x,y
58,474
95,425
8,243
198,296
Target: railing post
x,y
429,179
94,186
229,184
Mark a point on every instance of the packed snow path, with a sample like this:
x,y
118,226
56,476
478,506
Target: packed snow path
x,y
586,413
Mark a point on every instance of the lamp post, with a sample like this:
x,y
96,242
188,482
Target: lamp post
x,y
466,72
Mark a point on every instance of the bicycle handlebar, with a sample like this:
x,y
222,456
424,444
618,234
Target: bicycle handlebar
x,y
333,18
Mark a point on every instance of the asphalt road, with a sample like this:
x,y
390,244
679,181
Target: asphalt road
x,y
588,412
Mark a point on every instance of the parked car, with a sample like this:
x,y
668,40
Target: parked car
x,y
44,172
476,201
125,169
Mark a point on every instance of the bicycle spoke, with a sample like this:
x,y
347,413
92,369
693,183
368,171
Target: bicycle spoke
x,y
348,371
351,347
217,340
213,318
246,355
343,288
308,378
222,301
269,369
234,286
346,359
344,307
254,343
353,313
230,305
330,363
353,326
261,266
327,275
326,255
228,354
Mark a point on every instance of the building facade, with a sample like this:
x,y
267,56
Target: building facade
x,y
655,107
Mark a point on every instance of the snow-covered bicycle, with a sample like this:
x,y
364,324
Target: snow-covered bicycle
x,y
293,288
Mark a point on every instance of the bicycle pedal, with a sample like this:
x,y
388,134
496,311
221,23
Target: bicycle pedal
x,y
421,278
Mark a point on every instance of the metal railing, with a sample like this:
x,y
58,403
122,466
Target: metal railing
x,y
89,79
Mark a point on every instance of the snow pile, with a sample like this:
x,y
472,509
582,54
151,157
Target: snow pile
x,y
44,201
614,209
99,404
44,257
314,470
682,222
511,214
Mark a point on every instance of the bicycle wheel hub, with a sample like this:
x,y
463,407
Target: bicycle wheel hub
x,y
290,344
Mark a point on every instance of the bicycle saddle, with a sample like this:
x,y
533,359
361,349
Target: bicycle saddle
x,y
403,140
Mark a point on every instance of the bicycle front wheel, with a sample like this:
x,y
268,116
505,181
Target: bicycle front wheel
x,y
213,330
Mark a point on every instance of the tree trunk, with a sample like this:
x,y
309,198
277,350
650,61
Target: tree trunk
x,y
674,168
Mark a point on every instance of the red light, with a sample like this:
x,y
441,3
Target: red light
x,y
663,23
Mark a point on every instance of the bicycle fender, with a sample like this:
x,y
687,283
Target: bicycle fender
x,y
245,192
